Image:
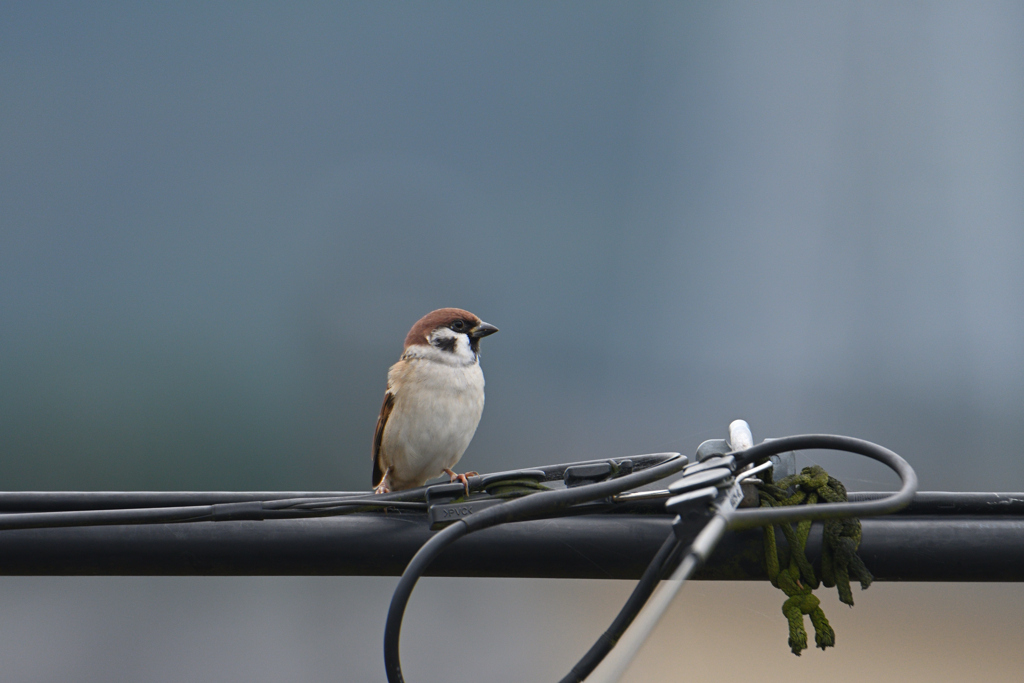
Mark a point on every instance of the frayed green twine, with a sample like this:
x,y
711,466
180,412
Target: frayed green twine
x,y
839,559
515,488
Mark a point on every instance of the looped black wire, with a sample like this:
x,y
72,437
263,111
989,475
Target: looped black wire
x,y
748,518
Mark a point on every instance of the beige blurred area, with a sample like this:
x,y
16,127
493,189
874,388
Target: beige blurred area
x,y
895,632
271,629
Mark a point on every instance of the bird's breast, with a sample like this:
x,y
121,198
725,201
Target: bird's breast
x,y
437,409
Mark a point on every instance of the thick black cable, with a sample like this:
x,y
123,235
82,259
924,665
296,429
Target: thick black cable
x,y
519,509
661,566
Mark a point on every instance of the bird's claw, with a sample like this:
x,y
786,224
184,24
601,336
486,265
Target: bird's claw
x,y
462,478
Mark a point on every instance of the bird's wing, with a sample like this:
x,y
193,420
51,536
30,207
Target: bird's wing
x,y
378,437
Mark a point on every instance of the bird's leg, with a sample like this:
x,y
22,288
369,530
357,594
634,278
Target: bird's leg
x,y
384,485
460,477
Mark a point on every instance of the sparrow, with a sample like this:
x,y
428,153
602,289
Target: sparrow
x,y
433,403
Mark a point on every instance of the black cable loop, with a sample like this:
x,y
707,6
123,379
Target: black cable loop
x,y
748,518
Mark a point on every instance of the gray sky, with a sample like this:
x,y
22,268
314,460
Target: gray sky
x,y
219,222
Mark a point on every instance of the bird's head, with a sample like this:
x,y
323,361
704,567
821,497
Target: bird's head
x,y
452,332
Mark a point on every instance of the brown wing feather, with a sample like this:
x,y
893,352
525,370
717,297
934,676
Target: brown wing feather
x,y
378,436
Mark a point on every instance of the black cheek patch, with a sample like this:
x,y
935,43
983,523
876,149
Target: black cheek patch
x,y
445,343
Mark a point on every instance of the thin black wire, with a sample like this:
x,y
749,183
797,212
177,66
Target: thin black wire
x,y
328,503
660,567
250,510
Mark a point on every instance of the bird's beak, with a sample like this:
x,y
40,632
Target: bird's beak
x,y
482,330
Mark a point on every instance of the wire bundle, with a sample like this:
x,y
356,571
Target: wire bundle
x,y
669,559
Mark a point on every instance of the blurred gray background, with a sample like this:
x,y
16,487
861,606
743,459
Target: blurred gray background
x,y
217,222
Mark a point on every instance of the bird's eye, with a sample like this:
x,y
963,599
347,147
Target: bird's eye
x,y
458,325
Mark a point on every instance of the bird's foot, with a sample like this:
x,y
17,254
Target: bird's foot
x,y
460,478
385,483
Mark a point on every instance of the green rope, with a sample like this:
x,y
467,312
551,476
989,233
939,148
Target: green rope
x,y
839,560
